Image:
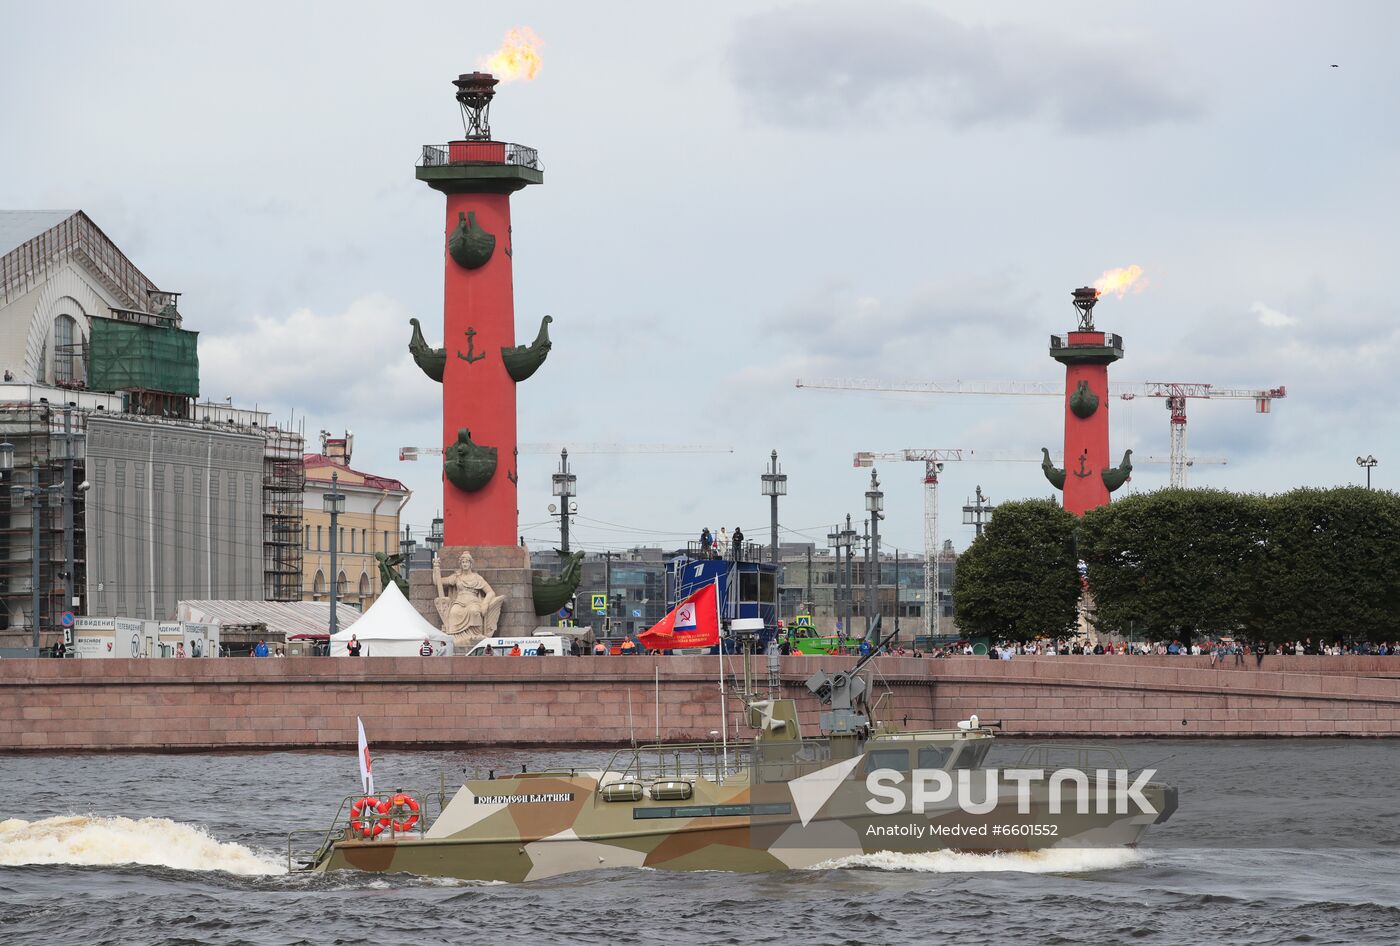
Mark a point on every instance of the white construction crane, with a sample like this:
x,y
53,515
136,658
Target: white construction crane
x,y
413,453
1175,393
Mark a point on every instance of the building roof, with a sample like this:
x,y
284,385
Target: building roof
x,y
18,227
284,617
317,461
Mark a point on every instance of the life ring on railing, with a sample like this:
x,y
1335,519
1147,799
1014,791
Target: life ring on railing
x,y
361,821
392,809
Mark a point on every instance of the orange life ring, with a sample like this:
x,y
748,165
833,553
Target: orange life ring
x,y
361,823
395,806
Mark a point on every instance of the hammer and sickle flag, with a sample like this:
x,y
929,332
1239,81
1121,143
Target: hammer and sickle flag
x,y
694,622
366,775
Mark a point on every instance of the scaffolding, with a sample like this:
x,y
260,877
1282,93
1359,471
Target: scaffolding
x,y
284,481
36,431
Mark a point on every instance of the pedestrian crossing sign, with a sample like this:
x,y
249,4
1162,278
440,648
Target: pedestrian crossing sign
x,y
600,603
802,620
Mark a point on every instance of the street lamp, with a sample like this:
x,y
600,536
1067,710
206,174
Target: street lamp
x,y
845,538
566,488
833,542
1368,461
978,514
434,539
407,546
334,503
875,505
774,485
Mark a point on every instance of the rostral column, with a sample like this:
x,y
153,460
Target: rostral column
x,y
1087,479
479,364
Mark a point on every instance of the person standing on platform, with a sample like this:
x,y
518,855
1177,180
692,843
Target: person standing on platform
x,y
353,648
738,543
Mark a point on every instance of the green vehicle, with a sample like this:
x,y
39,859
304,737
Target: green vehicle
x,y
778,800
806,640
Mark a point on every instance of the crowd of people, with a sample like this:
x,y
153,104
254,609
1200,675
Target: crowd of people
x,y
723,544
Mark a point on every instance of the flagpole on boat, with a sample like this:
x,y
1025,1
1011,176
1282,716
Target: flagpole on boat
x,y
723,709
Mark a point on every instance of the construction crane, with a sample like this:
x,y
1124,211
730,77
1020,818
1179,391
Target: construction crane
x,y
413,453
933,460
1175,393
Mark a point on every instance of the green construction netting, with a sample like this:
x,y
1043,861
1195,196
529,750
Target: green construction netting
x,y
125,355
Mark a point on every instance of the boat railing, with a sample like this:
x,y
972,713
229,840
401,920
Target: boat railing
x,y
1060,755
708,760
430,806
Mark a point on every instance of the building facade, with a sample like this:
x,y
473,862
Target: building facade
x,y
143,496
368,524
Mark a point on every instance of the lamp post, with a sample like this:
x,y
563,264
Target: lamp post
x,y
979,513
334,503
566,488
875,505
36,494
434,538
833,542
1369,462
847,538
774,485
407,546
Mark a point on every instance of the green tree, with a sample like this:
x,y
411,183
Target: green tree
x,y
1175,563
1019,578
1330,569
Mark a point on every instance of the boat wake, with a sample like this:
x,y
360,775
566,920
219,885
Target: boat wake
x,y
1047,861
91,841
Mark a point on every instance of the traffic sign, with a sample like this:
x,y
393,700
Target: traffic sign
x,y
802,620
67,619
600,603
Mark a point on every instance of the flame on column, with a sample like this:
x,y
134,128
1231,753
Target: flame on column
x,y
1121,281
518,57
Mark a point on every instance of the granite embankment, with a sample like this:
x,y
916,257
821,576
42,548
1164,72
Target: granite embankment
x,y
309,702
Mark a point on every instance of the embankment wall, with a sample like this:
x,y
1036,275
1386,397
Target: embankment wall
x,y
311,702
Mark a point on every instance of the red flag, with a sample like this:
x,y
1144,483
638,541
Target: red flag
x,y
692,623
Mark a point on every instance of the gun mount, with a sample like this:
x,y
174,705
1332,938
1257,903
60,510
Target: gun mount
x,y
845,691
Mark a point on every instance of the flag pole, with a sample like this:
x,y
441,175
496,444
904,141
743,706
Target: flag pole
x,y
723,709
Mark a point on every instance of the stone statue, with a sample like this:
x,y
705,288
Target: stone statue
x,y
389,571
472,610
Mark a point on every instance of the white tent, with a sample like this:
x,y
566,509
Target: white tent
x,y
391,628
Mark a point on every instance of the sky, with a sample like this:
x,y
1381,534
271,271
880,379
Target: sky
x,y
740,194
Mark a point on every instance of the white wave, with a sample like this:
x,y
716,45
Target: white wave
x,y
88,840
1047,861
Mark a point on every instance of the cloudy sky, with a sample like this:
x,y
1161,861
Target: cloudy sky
x,y
738,194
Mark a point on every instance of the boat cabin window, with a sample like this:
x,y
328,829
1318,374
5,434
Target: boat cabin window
x,y
971,754
894,759
934,757
748,587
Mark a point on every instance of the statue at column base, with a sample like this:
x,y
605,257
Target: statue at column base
x,y
472,610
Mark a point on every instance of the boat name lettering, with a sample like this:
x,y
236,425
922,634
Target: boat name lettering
x,y
523,799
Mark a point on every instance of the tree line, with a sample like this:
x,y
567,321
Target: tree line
x,y
1184,563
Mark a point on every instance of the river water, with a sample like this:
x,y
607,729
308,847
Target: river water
x,y
1275,842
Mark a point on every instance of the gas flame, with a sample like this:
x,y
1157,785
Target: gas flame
x,y
1121,281
518,57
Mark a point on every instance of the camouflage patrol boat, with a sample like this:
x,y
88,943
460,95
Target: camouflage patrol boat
x,y
777,801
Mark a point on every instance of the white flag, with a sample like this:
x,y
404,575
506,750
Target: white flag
x,y
366,776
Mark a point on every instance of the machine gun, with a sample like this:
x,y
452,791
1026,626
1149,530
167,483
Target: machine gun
x,y
844,691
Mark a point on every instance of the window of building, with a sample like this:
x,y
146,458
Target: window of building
x,y
318,585
65,350
352,539
318,538
341,537
386,542
306,541
342,585
364,541
364,590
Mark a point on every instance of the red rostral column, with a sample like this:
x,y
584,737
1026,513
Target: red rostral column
x,y
1087,479
478,175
